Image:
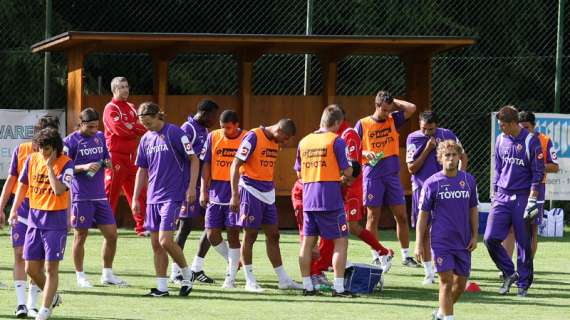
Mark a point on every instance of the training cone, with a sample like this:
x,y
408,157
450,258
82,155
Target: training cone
x,y
472,286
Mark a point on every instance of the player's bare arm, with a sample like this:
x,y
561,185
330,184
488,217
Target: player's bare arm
x,y
408,107
234,181
18,199
194,169
205,184
474,220
140,180
420,234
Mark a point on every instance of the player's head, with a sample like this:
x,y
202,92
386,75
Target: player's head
x,y
89,121
283,130
331,118
207,113
508,120
428,123
47,121
120,88
384,102
48,141
527,120
150,116
448,154
229,121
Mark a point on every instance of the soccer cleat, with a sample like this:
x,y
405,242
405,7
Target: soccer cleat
x,y
344,294
522,292
154,292
310,292
253,287
33,312
41,317
56,301
411,262
434,315
507,283
290,284
113,281
501,275
200,276
84,283
185,287
429,279
176,278
21,311
229,283
386,262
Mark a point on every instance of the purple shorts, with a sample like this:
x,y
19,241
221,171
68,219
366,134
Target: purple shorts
x,y
41,244
18,231
457,260
416,208
89,214
193,210
329,225
254,212
162,216
220,216
385,191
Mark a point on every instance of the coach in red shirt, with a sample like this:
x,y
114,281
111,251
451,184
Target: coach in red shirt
x,y
122,130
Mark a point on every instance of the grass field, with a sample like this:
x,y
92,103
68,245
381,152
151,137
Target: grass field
x,y
403,297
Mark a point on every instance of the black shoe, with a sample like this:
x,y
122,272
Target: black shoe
x,y
21,311
200,276
185,288
410,262
154,292
344,294
522,292
310,292
507,283
434,315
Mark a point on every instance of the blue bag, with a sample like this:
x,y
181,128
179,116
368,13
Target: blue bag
x,y
362,278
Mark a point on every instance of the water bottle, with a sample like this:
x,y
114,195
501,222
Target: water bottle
x,y
91,174
376,159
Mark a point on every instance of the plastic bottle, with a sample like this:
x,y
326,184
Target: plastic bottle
x,y
91,174
376,159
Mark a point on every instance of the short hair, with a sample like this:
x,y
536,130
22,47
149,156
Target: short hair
x,y
48,137
527,116
508,114
47,121
115,82
428,117
150,108
383,96
207,106
88,115
229,116
446,144
331,115
287,126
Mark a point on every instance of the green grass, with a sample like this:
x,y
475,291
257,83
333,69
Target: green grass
x,y
403,297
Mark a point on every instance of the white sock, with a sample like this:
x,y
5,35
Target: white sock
x,y
282,274
33,294
80,274
222,249
338,284
20,286
162,284
197,264
175,269
375,254
249,277
440,313
186,273
107,272
448,317
44,312
404,253
308,284
428,268
233,261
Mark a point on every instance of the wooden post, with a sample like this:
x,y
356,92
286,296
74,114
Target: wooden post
x,y
245,78
75,97
418,85
329,68
160,81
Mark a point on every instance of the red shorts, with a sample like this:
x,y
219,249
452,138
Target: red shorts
x,y
353,204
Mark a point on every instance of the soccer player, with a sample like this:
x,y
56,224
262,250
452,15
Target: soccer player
x,y
255,197
166,160
18,231
381,154
46,177
422,162
527,120
322,164
196,128
450,197
519,171
90,207
217,156
122,130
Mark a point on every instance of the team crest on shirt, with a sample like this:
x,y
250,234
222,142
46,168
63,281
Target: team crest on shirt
x,y
462,184
96,140
439,260
519,147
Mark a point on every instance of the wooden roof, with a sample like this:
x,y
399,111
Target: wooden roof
x,y
261,43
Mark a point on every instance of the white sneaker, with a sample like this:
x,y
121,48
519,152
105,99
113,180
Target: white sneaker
x,y
386,263
113,280
56,301
429,279
84,283
176,278
290,284
229,283
39,317
253,287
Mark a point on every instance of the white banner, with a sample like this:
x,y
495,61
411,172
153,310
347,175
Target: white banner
x,y
557,127
17,126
